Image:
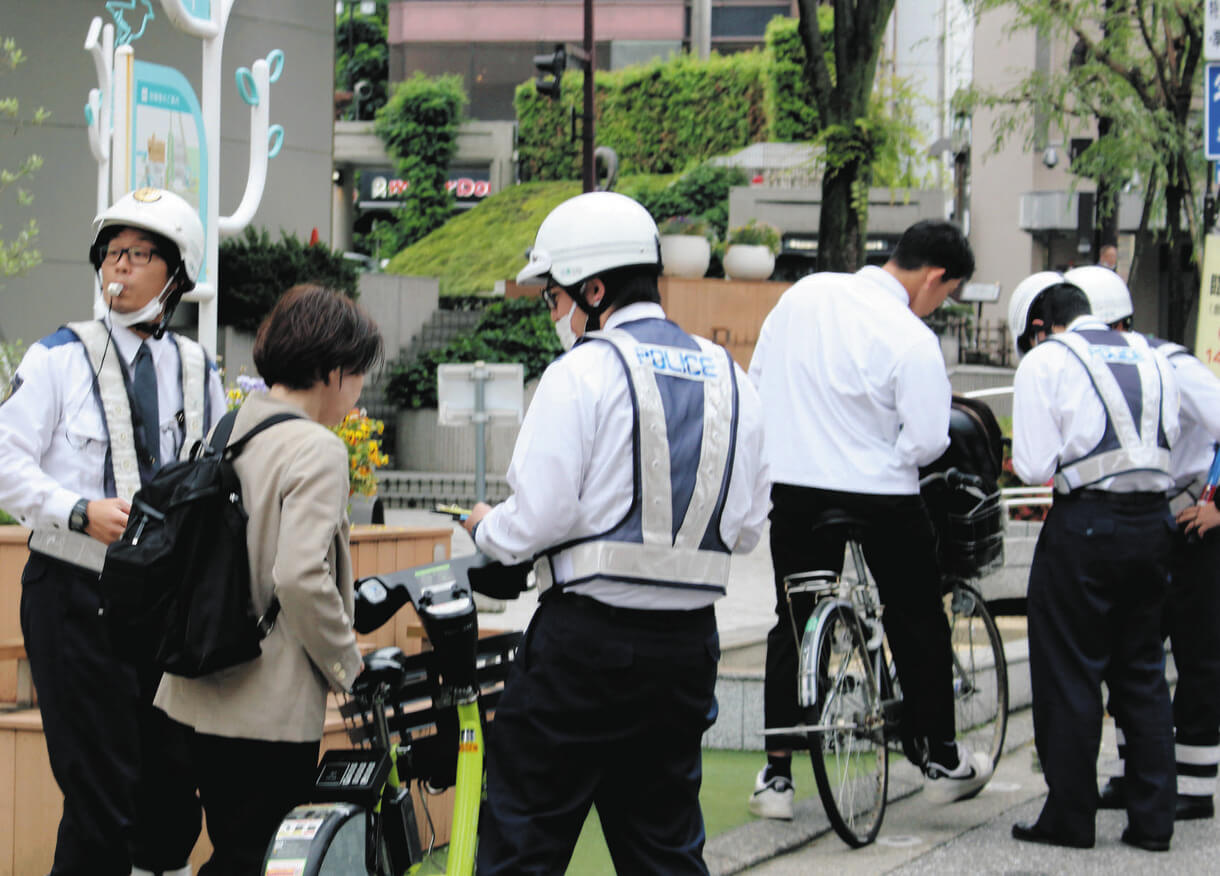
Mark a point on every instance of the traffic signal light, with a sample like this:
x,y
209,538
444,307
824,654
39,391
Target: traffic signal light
x,y
551,67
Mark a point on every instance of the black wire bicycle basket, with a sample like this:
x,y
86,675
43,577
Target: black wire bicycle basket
x,y
971,536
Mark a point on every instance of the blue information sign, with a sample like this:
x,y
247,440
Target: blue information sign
x,y
1211,111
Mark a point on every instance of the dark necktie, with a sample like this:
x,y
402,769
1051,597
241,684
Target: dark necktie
x,y
144,399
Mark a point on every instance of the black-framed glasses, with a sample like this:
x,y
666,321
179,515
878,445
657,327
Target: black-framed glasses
x,y
139,255
548,295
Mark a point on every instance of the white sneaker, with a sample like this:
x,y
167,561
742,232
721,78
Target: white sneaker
x,y
944,785
772,799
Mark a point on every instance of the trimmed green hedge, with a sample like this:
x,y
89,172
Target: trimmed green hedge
x,y
255,271
659,118
664,116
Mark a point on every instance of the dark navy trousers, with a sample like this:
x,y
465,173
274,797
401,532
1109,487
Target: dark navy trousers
x,y
122,765
603,708
1097,586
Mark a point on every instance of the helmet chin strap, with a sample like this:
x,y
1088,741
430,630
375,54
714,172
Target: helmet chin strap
x,y
592,311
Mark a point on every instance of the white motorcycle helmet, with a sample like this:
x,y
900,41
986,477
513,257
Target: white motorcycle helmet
x,y
166,214
588,235
1022,300
1109,297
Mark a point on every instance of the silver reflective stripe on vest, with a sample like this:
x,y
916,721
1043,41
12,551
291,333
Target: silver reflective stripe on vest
x,y
713,454
194,382
1138,448
643,562
116,406
656,502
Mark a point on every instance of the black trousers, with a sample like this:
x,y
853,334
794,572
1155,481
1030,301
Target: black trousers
x,y
900,550
1097,586
247,787
603,708
1192,623
122,766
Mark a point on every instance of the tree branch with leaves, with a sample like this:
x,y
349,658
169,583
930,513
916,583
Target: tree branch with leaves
x,y
18,255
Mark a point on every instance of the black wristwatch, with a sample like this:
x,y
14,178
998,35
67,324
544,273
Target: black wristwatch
x,y
78,517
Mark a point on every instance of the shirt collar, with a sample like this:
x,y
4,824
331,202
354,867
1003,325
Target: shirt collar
x,y
886,281
128,342
1086,321
632,312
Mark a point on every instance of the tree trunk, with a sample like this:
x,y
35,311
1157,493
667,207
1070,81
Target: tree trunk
x,y
840,244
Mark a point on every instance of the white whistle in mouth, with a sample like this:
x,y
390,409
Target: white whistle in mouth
x,y
114,290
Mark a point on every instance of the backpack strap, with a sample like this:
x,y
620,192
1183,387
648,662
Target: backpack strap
x,y
220,445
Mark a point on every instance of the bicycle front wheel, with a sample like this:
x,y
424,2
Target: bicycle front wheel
x,y
848,751
980,672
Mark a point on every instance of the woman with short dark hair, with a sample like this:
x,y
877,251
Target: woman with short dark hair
x,y
257,726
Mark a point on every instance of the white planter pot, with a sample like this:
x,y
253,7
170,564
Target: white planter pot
x,y
685,255
747,262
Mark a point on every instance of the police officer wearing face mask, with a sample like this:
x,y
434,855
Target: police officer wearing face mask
x,y
1192,613
1097,409
637,471
94,410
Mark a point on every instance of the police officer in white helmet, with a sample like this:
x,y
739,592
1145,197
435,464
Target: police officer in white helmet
x,y
94,409
637,471
1192,612
1096,409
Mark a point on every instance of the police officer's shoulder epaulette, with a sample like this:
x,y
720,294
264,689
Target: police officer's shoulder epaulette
x,y
63,335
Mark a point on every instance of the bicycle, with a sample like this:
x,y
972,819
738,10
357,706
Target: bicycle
x,y
848,686
416,718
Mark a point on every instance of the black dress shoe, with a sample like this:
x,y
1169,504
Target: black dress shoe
x,y
1032,833
1147,843
1113,795
1189,808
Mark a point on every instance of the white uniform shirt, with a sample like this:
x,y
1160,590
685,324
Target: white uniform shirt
x,y
572,471
853,385
1192,453
53,437
1057,415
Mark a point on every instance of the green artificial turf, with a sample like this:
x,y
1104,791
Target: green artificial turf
x,y
728,779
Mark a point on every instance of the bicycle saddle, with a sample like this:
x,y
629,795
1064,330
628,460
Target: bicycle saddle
x,y
836,518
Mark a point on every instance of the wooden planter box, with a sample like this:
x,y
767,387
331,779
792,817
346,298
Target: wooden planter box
x,y
30,801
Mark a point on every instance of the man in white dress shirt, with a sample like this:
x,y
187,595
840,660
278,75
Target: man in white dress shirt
x,y
637,472
857,399
1097,409
94,410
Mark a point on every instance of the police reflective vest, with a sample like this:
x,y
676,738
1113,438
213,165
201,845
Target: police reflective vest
x,y
1128,378
684,388
111,393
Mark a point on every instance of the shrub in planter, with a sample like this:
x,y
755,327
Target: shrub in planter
x,y
255,271
510,330
755,233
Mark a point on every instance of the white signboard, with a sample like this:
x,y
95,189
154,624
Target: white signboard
x,y
1211,30
503,393
986,292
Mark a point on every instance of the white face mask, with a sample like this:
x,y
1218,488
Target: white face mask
x,y
563,328
147,313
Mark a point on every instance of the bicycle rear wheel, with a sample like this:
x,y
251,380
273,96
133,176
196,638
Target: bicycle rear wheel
x,y
850,761
980,672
